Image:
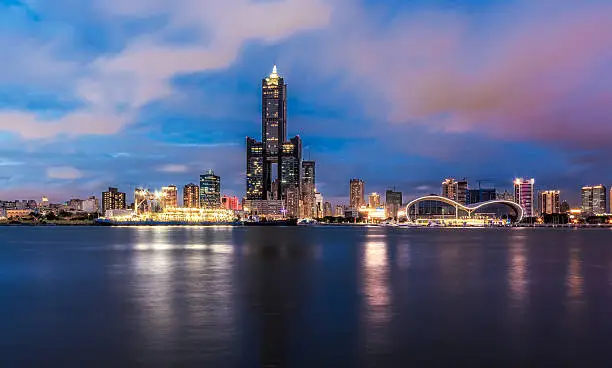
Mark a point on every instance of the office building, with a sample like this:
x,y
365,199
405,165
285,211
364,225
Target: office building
x,y
505,196
455,190
357,188
482,195
112,199
327,210
210,190
594,200
308,189
169,197
265,207
374,200
191,196
292,201
339,211
275,157
564,207
230,203
548,202
319,204
90,205
524,195
393,202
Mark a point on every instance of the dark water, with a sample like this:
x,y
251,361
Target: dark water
x,y
304,297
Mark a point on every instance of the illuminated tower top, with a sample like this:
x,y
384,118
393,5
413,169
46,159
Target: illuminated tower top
x,y
274,112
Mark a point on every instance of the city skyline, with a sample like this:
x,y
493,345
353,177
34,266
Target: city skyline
x,y
83,114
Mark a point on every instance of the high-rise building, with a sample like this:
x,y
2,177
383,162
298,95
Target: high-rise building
x,y
393,201
210,190
455,190
292,201
481,195
357,188
374,200
275,157
169,197
191,196
327,210
594,200
319,204
548,202
523,195
230,203
564,207
112,199
339,211
308,189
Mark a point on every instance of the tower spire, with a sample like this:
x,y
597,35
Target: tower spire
x,y
274,72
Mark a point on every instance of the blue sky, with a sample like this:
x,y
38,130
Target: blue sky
x,y
399,93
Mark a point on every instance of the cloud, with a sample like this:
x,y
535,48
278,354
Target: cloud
x,y
536,72
115,86
64,173
173,168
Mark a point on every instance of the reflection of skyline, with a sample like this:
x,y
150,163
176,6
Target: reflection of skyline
x,y
517,272
574,279
376,292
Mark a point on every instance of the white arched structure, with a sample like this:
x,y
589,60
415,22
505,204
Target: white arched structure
x,y
470,209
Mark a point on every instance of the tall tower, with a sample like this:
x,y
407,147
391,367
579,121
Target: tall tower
x,y
275,159
210,190
357,193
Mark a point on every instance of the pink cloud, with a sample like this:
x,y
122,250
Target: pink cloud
x,y
534,73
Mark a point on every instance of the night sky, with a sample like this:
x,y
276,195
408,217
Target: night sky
x,y
98,93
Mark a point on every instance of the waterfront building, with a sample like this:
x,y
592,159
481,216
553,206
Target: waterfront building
x,y
230,203
455,190
437,209
594,200
482,195
308,189
275,157
393,202
357,191
292,201
90,205
374,200
327,210
191,196
17,214
112,199
318,204
169,197
339,212
548,202
265,207
210,190
524,195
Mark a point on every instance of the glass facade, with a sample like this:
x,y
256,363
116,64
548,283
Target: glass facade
x,y
210,190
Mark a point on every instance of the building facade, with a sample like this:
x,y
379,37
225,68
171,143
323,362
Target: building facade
x,y
524,195
455,190
481,195
549,203
339,212
393,202
594,200
230,203
374,200
113,199
169,197
357,192
308,189
191,196
210,190
327,210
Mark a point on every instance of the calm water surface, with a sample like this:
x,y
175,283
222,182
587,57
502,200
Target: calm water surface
x,y
304,297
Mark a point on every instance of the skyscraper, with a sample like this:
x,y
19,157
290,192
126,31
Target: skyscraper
x,y
393,202
455,190
594,199
523,195
210,190
308,189
191,196
481,195
169,197
113,199
548,202
327,210
357,188
275,157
